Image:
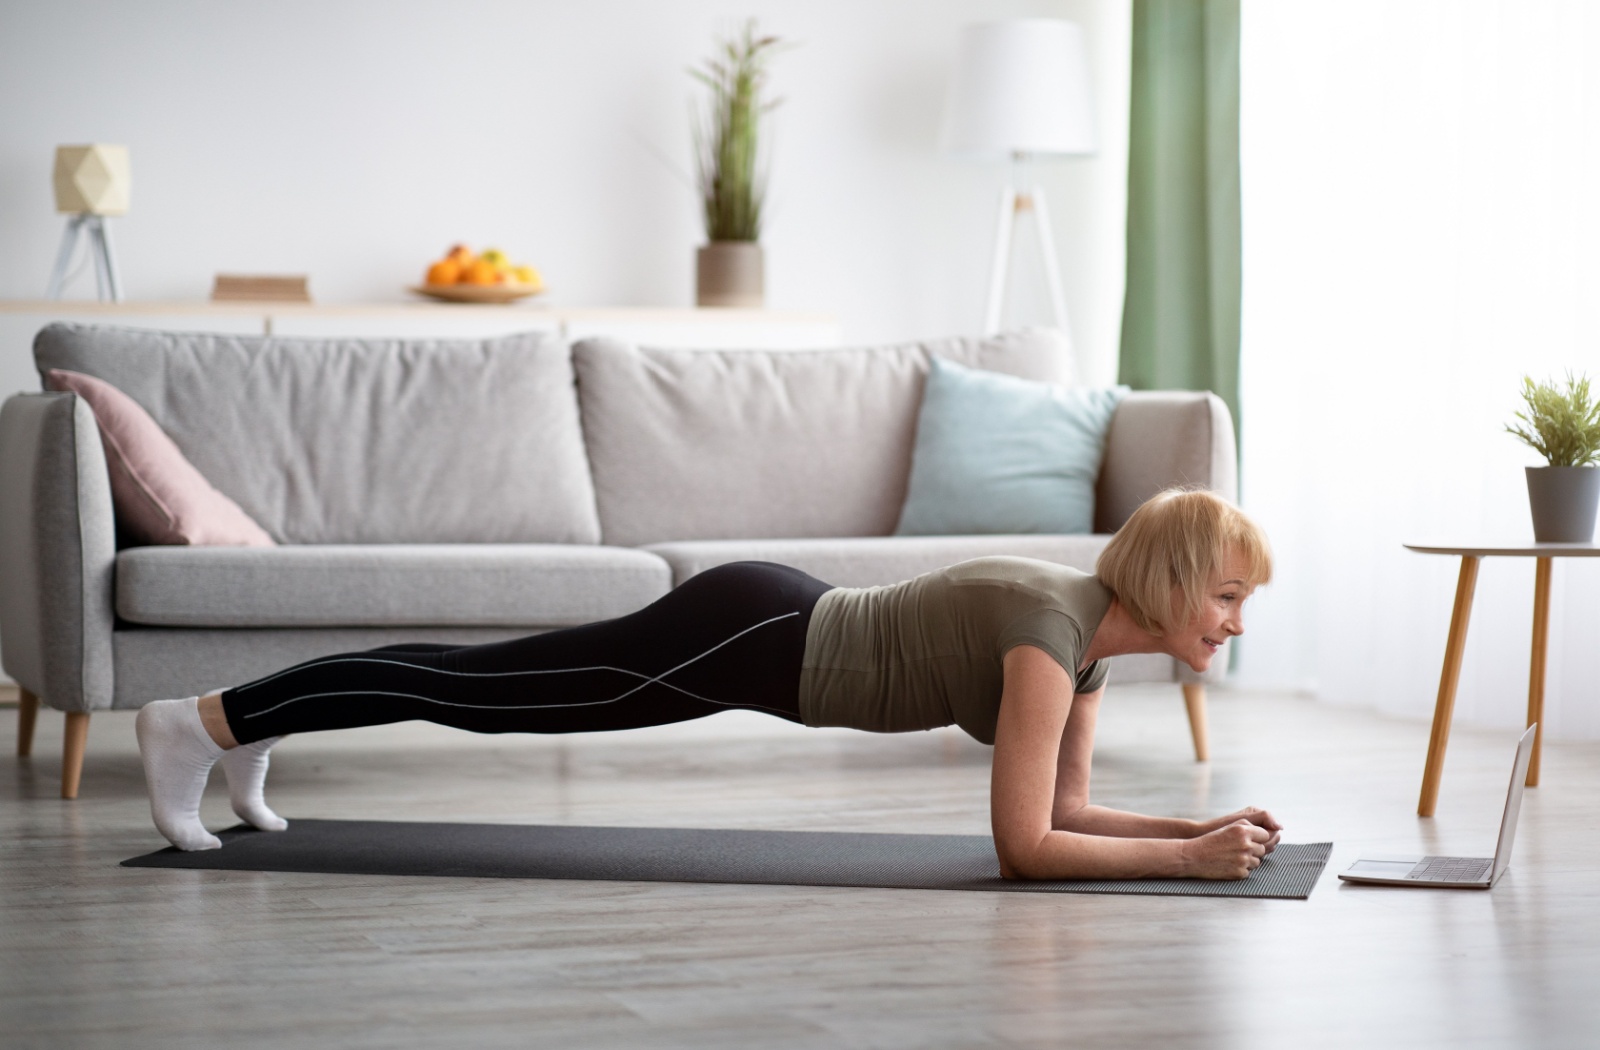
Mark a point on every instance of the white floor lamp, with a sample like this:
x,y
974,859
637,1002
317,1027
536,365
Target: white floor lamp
x,y
1021,91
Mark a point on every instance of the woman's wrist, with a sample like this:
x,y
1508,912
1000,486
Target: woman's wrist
x,y
1184,860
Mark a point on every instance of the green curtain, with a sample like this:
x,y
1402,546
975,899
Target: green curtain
x,y
1180,318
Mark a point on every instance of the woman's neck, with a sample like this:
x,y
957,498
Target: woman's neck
x,y
1118,635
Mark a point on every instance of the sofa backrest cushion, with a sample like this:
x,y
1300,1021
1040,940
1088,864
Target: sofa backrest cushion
x,y
755,444
362,441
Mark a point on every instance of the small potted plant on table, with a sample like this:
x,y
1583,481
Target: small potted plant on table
x,y
1562,424
732,186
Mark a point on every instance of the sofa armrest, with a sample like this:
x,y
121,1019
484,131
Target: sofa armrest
x,y
1161,438
57,551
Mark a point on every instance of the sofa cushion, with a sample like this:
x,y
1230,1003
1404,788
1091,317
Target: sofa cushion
x,y
872,561
701,445
532,585
362,441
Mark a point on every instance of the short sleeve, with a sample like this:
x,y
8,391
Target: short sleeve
x,y
1054,632
1093,677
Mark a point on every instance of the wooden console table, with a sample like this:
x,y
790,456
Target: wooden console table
x,y
1471,554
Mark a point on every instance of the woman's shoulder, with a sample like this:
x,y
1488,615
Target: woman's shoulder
x,y
1026,586
1016,583
1014,570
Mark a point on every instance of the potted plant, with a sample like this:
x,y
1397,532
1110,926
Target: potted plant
x,y
1562,424
729,176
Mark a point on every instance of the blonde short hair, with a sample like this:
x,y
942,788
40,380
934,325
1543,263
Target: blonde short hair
x,y
1179,538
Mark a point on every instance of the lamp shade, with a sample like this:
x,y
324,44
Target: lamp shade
x,y
1021,86
92,179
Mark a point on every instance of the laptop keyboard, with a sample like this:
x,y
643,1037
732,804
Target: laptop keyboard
x,y
1451,869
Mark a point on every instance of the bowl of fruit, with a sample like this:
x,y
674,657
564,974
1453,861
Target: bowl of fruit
x,y
462,277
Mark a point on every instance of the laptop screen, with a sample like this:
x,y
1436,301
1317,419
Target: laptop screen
x,y
1508,823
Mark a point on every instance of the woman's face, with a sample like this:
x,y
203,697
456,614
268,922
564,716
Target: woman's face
x,y
1221,615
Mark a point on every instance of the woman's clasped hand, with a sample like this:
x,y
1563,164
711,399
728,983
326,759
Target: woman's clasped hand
x,y
1233,846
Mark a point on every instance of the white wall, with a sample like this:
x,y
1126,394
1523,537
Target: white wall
x,y
1420,231
355,140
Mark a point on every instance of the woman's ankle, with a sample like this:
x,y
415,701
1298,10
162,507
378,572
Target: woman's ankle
x,y
216,722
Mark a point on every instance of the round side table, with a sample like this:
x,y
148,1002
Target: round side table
x,y
1471,554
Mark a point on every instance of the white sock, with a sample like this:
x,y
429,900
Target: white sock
x,y
246,768
178,754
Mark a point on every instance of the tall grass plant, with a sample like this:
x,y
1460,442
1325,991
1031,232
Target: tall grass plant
x,y
727,136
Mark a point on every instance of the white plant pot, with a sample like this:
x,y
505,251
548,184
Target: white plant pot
x,y
729,273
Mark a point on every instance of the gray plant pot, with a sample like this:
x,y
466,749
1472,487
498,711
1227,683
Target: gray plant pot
x,y
729,273
1563,500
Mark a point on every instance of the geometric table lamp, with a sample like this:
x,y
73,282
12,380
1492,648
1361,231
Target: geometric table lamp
x,y
1021,90
91,182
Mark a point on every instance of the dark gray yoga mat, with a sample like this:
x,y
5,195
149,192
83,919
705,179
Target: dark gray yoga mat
x,y
782,858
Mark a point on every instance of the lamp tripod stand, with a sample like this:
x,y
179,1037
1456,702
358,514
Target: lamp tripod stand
x,y
1014,203
92,226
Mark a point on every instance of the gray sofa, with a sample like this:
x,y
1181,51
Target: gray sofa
x,y
467,491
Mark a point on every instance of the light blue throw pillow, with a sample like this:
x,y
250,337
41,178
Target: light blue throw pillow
x,y
998,454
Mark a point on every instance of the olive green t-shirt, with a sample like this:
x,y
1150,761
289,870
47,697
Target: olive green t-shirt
x,y
928,652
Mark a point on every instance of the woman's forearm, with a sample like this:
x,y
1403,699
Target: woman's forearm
x,y
1073,855
1116,823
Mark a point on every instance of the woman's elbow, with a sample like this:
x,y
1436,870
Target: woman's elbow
x,y
1018,861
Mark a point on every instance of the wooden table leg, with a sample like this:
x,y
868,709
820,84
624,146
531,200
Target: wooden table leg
x,y
1194,698
1536,665
1444,707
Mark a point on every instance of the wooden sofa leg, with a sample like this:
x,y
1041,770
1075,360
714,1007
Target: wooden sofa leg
x,y
72,754
1194,698
27,716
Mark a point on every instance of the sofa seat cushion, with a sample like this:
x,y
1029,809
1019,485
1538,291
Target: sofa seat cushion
x,y
871,561
464,585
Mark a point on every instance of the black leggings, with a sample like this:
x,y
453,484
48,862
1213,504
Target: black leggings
x,y
731,637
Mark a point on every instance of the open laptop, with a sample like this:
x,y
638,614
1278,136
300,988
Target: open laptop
x,y
1468,873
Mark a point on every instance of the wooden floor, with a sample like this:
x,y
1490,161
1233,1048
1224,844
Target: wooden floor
x,y
95,955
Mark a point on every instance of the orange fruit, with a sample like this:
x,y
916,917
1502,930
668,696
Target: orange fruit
x,y
481,272
445,271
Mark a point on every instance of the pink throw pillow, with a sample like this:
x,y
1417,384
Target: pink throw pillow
x,y
159,496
